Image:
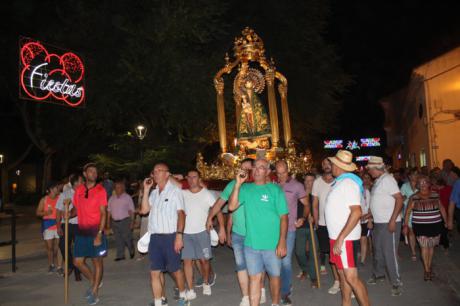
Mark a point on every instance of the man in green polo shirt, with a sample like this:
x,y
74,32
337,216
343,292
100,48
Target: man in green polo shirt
x,y
236,226
266,216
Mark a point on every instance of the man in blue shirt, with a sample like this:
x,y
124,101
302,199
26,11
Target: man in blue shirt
x,y
454,206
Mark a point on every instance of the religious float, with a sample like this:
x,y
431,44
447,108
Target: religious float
x,y
257,133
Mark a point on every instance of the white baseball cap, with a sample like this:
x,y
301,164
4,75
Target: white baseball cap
x,y
143,243
214,238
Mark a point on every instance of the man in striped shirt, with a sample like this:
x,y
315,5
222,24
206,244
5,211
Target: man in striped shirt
x,y
166,226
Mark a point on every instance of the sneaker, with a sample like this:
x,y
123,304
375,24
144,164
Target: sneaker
x,y
183,302
212,279
60,271
164,302
88,292
396,291
190,295
314,283
263,296
286,301
335,288
51,269
374,279
206,289
199,282
93,300
176,294
245,301
322,270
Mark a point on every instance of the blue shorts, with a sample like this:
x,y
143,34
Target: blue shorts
x,y
84,247
162,255
259,261
238,251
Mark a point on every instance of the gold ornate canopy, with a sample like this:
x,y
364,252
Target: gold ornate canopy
x,y
257,133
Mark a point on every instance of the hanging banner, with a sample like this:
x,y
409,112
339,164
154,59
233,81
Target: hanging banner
x,y
50,74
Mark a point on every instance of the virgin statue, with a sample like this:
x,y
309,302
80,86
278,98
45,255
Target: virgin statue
x,y
253,122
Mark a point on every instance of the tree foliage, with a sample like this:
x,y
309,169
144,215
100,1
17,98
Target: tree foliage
x,y
152,62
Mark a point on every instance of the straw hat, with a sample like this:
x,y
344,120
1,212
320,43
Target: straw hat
x,y
343,160
375,162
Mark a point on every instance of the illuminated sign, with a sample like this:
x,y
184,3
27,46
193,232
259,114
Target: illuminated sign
x,y
352,144
333,144
362,158
370,142
50,74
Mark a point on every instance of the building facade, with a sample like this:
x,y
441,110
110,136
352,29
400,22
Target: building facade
x,y
422,121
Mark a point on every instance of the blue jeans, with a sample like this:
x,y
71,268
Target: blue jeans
x,y
286,265
259,261
238,251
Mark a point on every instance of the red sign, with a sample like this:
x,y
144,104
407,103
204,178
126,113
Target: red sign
x,y
49,74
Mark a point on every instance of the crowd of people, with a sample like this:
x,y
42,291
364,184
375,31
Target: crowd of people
x,y
345,213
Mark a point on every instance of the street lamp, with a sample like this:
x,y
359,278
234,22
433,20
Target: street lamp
x,y
141,131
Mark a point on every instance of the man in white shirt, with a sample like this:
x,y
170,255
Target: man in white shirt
x,y
386,205
66,197
165,205
321,188
197,241
343,213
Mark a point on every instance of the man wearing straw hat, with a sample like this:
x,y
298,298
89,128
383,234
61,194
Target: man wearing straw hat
x,y
343,213
386,205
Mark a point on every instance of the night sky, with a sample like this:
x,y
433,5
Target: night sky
x,y
379,43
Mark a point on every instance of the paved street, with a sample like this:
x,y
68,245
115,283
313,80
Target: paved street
x,y
127,282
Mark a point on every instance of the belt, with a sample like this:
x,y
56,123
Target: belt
x,y
116,221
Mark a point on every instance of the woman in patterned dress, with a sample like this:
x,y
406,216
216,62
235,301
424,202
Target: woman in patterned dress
x,y
428,218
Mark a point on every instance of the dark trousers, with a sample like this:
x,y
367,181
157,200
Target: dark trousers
x,y
123,236
73,228
457,218
305,260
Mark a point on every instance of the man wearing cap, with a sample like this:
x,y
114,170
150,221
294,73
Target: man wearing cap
x,y
386,205
165,205
90,200
197,240
342,214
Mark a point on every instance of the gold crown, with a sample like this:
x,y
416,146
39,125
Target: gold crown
x,y
249,46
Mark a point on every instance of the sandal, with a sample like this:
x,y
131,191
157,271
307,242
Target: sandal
x,y
414,257
427,276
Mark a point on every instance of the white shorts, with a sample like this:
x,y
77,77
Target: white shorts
x,y
50,234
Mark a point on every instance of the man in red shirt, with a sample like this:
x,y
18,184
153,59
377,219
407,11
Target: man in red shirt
x,y
90,199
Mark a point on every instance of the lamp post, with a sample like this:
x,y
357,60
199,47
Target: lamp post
x,y
141,131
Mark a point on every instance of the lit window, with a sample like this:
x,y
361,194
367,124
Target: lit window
x,y
422,158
